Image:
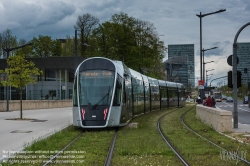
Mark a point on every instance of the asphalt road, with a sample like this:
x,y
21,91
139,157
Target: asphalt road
x,y
243,110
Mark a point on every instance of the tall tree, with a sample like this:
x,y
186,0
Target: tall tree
x,y
7,40
133,41
68,46
124,38
115,38
101,43
44,46
56,48
20,73
27,51
85,23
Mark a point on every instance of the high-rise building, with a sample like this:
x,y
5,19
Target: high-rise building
x,y
243,53
180,64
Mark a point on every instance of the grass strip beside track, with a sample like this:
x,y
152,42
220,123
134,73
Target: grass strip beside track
x,y
91,148
208,132
143,145
196,150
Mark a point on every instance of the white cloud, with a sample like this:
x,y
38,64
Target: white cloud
x,y
176,20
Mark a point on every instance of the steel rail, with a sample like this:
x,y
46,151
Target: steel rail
x,y
55,156
111,150
182,120
181,158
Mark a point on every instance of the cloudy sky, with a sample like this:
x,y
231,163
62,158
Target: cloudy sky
x,y
175,21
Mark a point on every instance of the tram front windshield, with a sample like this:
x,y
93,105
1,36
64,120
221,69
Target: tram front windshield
x,y
95,87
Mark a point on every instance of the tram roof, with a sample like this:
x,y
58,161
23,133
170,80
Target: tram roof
x,y
179,85
119,67
153,81
162,83
135,74
171,84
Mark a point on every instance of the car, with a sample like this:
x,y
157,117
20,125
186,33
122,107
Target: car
x,y
229,99
245,100
224,97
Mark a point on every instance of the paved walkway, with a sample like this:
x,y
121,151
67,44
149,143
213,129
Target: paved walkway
x,y
15,134
242,128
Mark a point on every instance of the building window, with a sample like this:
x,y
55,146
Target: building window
x,y
50,75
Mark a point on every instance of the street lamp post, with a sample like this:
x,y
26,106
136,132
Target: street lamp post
x,y
7,50
75,50
207,76
76,57
200,16
203,50
83,44
217,79
204,69
208,71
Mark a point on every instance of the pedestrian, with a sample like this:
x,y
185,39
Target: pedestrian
x,y
209,102
204,100
214,102
198,100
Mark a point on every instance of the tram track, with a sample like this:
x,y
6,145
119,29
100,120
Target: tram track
x,y
111,150
108,159
173,148
61,151
233,154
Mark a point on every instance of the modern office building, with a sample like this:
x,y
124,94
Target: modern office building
x,y
180,64
243,53
55,83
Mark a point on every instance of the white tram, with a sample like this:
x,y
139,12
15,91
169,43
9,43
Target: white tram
x,y
109,94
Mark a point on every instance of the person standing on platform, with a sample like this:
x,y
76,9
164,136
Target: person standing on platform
x,y
199,100
204,100
214,102
209,102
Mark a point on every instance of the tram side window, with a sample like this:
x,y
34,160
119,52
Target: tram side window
x,y
118,91
170,94
183,94
163,94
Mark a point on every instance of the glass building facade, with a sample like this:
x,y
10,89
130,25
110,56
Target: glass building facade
x,y
243,53
55,82
181,60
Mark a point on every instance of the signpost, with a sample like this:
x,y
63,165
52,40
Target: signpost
x,y
200,84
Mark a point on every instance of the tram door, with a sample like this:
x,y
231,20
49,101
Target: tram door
x,y
126,100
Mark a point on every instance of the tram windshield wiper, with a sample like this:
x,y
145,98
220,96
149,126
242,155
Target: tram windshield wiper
x,y
107,95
